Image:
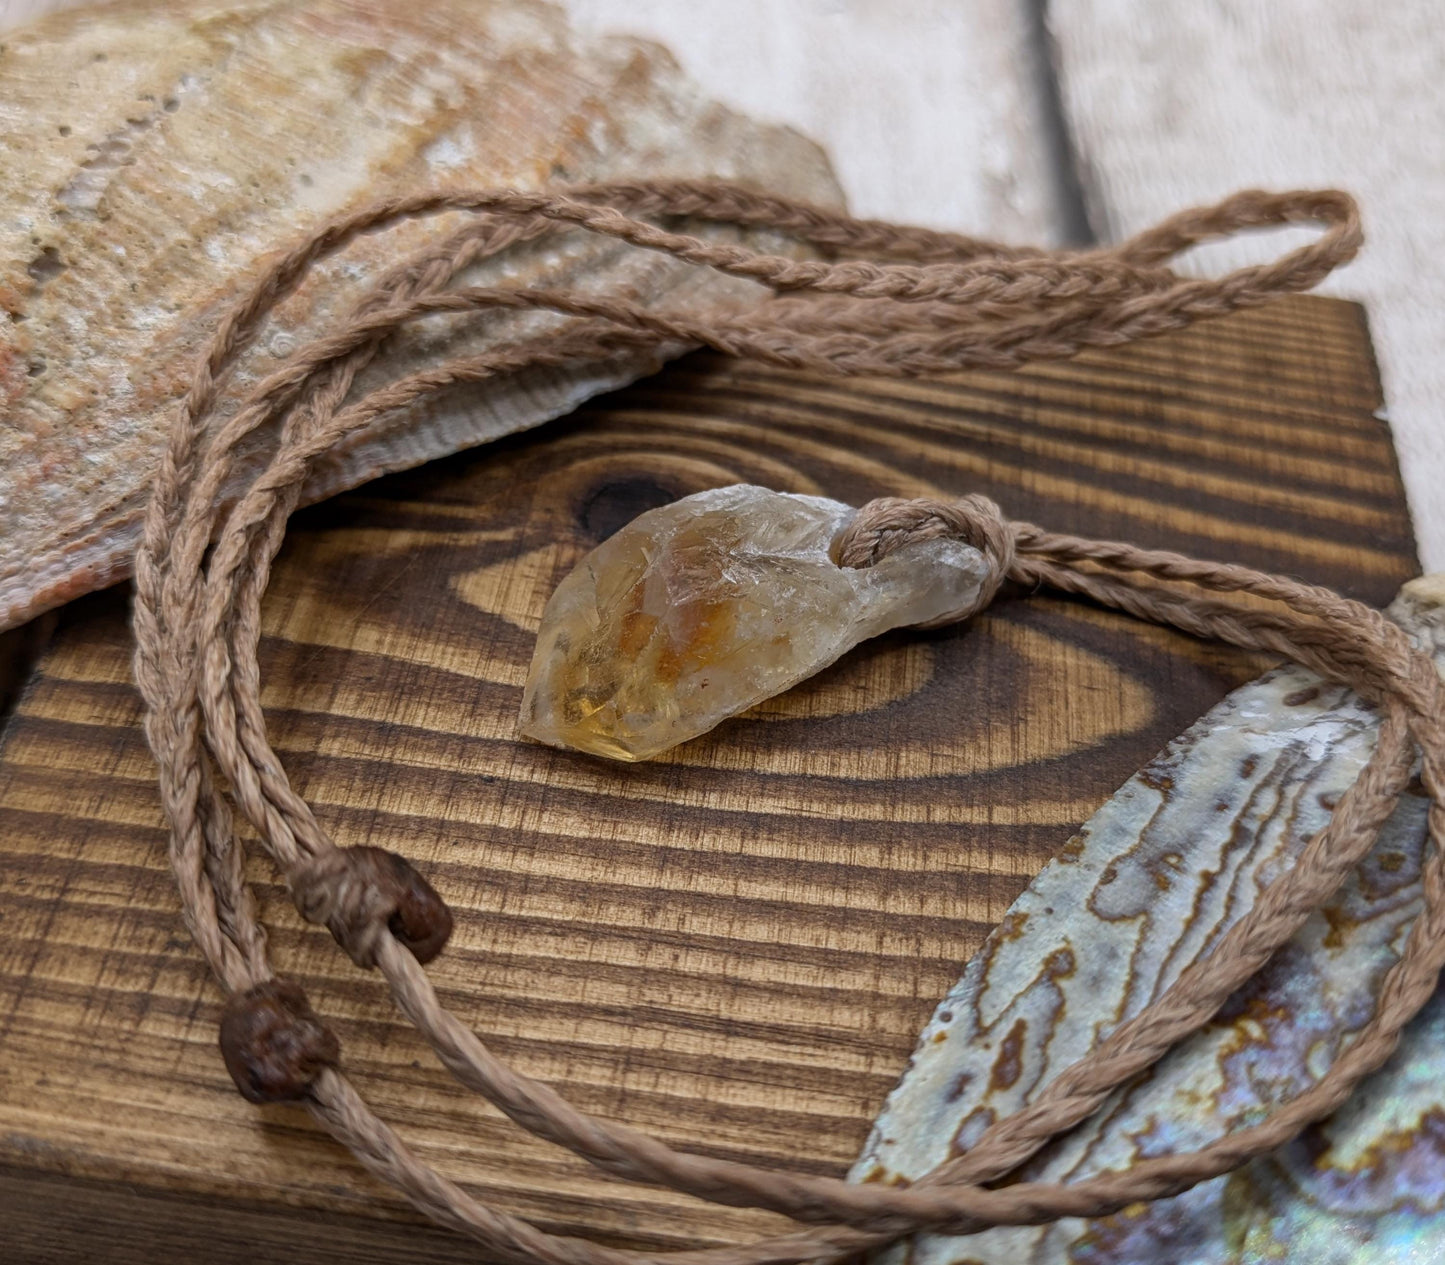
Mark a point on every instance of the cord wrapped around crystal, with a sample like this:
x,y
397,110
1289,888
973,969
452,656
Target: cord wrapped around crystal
x,y
700,609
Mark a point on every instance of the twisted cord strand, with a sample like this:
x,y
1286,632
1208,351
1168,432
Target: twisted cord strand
x,y
925,302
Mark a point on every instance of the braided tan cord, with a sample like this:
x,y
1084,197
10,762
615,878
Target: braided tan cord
x,y
922,302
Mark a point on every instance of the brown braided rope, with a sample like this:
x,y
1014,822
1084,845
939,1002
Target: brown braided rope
x,y
882,300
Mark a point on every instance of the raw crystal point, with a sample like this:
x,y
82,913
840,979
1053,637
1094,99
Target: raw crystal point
x,y
700,609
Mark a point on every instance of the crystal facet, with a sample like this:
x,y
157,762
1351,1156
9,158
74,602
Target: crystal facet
x,y
700,609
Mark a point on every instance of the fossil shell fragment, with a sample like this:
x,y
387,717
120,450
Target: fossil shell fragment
x,y
1147,887
155,152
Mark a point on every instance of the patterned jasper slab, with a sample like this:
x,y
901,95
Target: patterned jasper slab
x,y
1147,887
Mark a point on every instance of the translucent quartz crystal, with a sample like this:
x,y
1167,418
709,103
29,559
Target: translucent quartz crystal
x,y
700,609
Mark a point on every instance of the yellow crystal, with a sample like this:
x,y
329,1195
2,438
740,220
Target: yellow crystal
x,y
700,609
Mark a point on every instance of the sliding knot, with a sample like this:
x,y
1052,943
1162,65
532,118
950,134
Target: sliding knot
x,y
360,894
890,522
273,1043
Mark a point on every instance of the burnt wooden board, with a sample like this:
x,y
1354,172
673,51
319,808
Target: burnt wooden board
x,y
734,946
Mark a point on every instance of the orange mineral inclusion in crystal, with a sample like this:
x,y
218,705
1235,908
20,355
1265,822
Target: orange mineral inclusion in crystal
x,y
700,609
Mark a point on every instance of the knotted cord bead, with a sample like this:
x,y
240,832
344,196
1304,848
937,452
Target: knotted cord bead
x,y
360,894
273,1043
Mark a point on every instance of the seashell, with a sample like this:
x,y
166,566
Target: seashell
x,y
155,152
1146,888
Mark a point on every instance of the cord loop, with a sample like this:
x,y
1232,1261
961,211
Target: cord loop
x,y
888,523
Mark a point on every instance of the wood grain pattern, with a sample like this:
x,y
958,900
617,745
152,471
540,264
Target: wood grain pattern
x,y
734,946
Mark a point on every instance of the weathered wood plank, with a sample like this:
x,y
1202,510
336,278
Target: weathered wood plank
x,y
1173,105
734,946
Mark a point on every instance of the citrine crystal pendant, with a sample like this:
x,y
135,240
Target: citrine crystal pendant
x,y
698,610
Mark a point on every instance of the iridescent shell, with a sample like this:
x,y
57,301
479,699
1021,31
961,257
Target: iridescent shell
x,y
155,151
1148,887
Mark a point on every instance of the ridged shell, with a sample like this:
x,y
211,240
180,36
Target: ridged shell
x,y
1147,887
154,152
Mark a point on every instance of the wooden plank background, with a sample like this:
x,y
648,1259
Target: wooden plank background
x,y
1175,104
734,946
